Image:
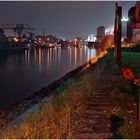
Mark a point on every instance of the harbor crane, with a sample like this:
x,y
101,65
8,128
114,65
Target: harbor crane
x,y
17,28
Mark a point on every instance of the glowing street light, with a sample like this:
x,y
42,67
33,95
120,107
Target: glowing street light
x,y
124,19
15,39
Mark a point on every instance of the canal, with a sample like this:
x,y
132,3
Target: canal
x,y
23,73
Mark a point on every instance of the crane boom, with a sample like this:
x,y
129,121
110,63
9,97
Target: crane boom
x,y
17,28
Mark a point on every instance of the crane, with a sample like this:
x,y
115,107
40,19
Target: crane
x,y
17,28
30,34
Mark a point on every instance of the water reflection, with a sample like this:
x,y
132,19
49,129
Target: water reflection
x,y
33,69
26,55
35,56
75,56
81,55
85,50
27,59
59,55
40,59
91,53
51,57
69,55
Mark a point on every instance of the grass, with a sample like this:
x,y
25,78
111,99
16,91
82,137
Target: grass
x,y
124,107
123,97
57,117
131,130
131,60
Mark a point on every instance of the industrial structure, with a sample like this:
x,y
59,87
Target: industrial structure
x,y
134,21
20,37
17,28
100,33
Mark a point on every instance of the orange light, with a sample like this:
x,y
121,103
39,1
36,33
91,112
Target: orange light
x,y
15,39
87,65
94,60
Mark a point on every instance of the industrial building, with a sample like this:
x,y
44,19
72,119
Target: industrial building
x,y
100,33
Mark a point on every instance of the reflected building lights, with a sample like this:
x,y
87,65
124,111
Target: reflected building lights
x,y
95,52
85,50
25,55
88,54
91,53
81,50
40,59
35,55
75,56
56,55
48,57
69,56
42,55
28,56
59,56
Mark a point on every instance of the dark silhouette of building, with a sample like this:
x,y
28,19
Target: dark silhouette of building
x,y
100,33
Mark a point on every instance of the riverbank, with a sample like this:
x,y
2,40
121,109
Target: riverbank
x,y
111,111
71,93
17,109
61,115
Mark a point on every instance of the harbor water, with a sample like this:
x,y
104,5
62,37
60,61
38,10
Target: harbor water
x,y
25,72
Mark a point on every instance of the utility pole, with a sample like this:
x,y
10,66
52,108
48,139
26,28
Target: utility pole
x,y
118,34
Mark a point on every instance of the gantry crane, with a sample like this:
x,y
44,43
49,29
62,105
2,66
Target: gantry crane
x,y
17,28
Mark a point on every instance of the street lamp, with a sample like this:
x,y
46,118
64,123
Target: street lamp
x,y
124,19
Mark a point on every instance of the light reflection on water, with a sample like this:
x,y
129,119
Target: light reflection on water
x,y
23,73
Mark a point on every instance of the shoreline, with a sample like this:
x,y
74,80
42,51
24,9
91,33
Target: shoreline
x,y
22,49
17,109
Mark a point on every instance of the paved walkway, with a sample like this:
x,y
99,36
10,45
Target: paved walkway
x,y
94,124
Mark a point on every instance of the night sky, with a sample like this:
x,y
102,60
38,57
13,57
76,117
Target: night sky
x,y
63,19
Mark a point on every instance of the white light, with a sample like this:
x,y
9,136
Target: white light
x,y
75,39
124,19
50,45
91,38
109,30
